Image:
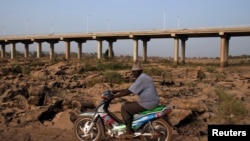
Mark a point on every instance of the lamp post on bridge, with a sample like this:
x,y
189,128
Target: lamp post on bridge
x,y
27,27
87,23
3,29
108,26
178,22
52,28
164,18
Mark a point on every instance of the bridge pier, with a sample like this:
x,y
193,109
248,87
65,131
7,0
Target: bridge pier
x,y
111,52
13,50
135,50
176,48
67,50
3,50
79,45
26,48
51,53
99,49
39,49
183,49
79,53
144,44
52,49
224,49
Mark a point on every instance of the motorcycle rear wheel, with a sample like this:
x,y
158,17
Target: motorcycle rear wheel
x,y
163,131
80,128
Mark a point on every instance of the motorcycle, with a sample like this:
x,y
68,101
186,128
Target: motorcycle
x,y
148,125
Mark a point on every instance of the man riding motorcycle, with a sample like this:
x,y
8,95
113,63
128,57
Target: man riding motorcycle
x,y
145,88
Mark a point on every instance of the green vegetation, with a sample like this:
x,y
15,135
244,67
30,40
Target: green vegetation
x,y
210,69
16,69
26,69
154,71
113,77
230,109
36,62
94,81
100,66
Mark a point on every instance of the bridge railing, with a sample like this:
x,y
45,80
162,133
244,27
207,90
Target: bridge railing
x,y
2,37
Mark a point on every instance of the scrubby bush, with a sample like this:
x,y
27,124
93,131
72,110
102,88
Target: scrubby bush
x,y
113,77
26,69
230,109
100,66
154,71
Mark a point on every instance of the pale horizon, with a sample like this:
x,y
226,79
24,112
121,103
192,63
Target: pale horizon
x,y
82,16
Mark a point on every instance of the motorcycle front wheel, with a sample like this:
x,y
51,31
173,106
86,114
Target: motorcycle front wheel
x,y
160,130
82,125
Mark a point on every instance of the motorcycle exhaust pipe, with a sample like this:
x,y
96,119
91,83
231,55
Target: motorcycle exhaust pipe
x,y
136,134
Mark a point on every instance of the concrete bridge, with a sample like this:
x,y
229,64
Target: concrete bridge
x,y
178,35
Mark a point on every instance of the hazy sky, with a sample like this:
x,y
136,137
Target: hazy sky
x,y
21,17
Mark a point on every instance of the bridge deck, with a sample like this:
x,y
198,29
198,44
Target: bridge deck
x,y
189,33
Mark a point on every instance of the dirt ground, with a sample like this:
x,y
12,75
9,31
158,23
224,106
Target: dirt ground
x,y
41,133
188,94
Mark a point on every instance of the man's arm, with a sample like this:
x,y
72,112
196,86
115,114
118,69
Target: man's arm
x,y
121,93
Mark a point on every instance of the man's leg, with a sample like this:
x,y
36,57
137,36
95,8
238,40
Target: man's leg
x,y
127,112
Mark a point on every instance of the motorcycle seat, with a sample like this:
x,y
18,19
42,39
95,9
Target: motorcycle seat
x,y
156,109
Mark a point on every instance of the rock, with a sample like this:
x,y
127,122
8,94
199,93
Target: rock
x,y
51,112
177,115
50,103
62,121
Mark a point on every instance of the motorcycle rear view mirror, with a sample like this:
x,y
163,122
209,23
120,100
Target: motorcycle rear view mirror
x,y
107,94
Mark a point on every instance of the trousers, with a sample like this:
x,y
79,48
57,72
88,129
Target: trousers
x,y
127,112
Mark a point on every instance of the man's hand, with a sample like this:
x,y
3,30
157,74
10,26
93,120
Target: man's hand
x,y
111,97
115,91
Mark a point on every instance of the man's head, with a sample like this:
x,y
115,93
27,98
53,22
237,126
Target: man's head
x,y
136,69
